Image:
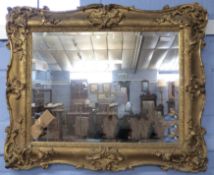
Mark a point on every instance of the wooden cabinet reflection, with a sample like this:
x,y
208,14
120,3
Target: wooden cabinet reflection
x,y
100,120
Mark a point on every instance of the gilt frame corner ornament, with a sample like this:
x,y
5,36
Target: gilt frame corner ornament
x,y
189,155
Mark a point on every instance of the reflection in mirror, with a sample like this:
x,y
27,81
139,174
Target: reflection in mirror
x,y
105,86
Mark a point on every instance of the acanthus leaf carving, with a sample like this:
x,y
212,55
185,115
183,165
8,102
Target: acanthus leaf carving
x,y
189,161
17,157
48,19
23,157
28,157
193,158
17,29
104,16
105,158
193,16
15,87
195,87
17,26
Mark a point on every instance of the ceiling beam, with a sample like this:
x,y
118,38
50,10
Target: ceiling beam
x,y
92,46
139,49
107,46
136,50
61,42
165,56
152,54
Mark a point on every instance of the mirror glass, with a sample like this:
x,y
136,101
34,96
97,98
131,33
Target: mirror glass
x,y
105,86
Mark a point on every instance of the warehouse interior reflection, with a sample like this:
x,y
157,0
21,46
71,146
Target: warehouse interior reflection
x,y
105,86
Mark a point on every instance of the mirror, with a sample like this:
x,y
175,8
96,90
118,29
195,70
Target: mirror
x,y
86,86
106,87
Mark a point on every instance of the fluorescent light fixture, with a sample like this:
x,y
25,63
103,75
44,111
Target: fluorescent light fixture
x,y
168,77
166,38
94,65
92,77
97,36
94,71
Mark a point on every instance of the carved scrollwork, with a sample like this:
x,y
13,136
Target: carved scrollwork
x,y
192,15
17,26
104,16
15,87
18,17
193,157
189,20
48,19
196,87
105,158
191,161
16,157
27,157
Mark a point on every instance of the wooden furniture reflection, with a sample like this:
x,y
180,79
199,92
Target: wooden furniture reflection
x,y
171,96
144,129
39,96
79,89
81,126
74,124
55,129
148,102
109,126
87,124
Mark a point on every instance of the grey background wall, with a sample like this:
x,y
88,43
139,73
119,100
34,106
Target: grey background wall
x,y
208,114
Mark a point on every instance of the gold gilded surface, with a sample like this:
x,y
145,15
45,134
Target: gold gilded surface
x,y
189,154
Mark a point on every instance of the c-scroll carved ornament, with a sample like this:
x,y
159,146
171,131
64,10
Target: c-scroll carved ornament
x,y
105,16
15,87
196,87
186,15
105,158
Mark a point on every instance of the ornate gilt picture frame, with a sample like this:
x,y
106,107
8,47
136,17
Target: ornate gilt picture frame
x,y
189,154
